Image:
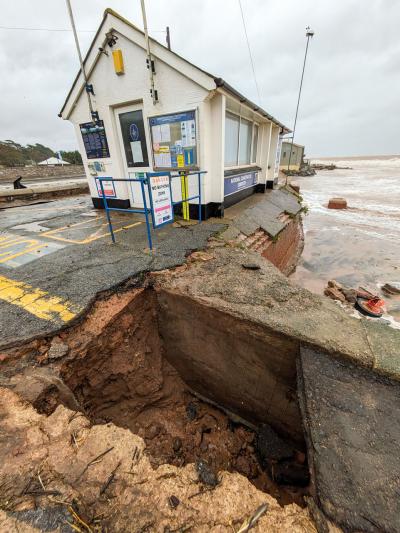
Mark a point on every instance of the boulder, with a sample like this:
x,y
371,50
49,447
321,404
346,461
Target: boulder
x,y
337,203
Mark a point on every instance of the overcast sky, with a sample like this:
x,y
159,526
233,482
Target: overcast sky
x,y
351,94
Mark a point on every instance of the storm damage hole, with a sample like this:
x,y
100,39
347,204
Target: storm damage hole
x,y
121,376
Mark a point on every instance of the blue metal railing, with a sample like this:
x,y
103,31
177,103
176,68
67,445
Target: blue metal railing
x,y
148,210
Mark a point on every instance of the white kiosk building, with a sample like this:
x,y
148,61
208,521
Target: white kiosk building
x,y
189,120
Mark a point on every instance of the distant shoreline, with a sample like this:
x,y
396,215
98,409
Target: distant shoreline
x,y
355,157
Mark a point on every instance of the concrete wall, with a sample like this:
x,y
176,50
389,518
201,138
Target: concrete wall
x,y
246,369
9,174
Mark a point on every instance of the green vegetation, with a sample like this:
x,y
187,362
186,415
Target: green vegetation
x,y
13,154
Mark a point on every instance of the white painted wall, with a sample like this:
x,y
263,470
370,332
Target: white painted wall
x,y
181,87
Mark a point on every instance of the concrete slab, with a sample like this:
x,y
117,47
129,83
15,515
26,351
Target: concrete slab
x,y
352,429
56,257
286,201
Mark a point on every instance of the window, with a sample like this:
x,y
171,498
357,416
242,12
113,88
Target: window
x,y
241,140
255,143
231,139
245,140
133,135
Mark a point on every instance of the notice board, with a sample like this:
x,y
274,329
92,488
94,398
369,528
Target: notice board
x,y
95,140
161,200
174,141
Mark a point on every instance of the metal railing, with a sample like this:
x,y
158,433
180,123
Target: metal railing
x,y
146,211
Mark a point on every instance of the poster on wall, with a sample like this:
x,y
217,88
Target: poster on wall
x,y
94,139
161,201
108,187
278,157
174,140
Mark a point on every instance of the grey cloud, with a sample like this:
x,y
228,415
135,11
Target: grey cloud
x,y
350,101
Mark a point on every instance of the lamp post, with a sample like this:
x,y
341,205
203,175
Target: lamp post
x,y
309,35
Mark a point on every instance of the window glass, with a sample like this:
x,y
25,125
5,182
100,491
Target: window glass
x,y
245,142
255,144
231,139
133,135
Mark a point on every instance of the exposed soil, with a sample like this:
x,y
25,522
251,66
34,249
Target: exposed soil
x,y
125,379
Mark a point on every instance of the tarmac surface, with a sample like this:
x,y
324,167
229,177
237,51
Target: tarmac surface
x,y
55,257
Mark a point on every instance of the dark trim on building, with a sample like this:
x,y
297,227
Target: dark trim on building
x,y
242,170
111,202
260,187
212,209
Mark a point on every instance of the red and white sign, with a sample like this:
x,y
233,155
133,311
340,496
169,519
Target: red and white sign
x,y
160,191
108,187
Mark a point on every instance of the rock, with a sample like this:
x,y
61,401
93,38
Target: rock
x,y
337,203
334,283
243,465
270,447
173,502
392,287
191,411
295,186
206,474
350,294
176,444
335,294
153,431
251,266
57,350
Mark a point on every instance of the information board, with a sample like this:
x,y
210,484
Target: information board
x,y
239,183
108,187
174,140
161,201
95,140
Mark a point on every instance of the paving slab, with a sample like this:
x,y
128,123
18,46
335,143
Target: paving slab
x,y
286,201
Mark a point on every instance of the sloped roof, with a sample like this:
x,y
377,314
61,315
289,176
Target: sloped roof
x,y
219,82
53,161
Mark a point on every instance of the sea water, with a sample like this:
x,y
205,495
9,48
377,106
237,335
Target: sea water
x,y
358,246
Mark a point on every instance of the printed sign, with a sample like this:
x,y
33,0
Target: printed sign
x,y
174,140
238,183
161,202
95,140
108,187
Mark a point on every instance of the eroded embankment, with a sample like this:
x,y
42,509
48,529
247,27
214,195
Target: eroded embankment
x,y
112,368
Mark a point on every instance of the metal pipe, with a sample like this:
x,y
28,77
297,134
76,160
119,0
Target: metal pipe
x,y
71,16
309,34
150,67
168,38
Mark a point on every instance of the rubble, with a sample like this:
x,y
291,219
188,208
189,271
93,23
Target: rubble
x,y
337,203
391,288
61,473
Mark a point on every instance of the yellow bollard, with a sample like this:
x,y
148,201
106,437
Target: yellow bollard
x,y
185,194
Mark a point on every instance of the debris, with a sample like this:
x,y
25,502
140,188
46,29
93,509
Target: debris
x,y
94,461
57,350
270,447
173,502
335,294
251,266
110,479
392,287
337,203
191,411
373,307
252,521
206,474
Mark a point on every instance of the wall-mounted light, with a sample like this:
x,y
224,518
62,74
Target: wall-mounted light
x,y
111,39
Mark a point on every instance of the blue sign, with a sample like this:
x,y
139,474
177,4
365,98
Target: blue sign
x,y
95,140
134,132
176,117
239,183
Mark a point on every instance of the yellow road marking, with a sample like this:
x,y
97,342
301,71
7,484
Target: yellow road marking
x,y
35,301
91,238
10,242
